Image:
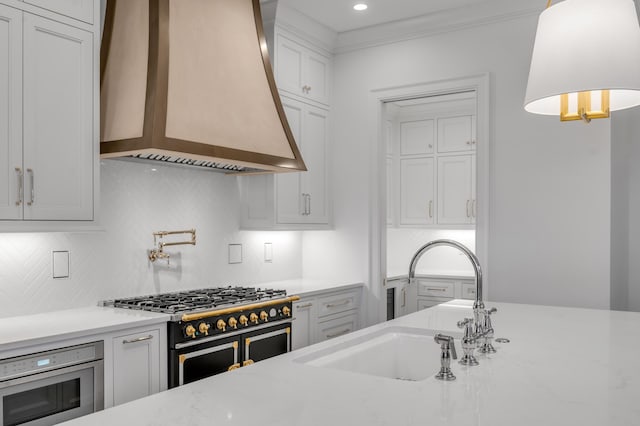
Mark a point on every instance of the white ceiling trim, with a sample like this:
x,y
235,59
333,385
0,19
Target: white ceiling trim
x,y
436,23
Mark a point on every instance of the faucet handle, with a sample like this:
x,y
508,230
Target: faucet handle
x,y
464,322
491,311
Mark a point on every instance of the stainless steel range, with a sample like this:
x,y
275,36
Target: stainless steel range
x,y
219,329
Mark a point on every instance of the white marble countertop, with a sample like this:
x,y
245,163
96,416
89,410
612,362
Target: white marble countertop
x,y
393,274
307,287
48,327
563,366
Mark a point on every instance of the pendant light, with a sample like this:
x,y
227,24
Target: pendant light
x,y
586,60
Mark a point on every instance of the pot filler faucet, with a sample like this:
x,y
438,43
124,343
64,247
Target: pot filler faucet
x,y
478,331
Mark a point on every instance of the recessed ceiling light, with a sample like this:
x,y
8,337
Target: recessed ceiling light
x,y
360,7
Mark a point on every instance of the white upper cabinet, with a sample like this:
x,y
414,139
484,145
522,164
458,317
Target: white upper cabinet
x,y
48,120
301,71
456,134
302,197
10,113
417,137
76,9
456,189
417,195
58,126
299,200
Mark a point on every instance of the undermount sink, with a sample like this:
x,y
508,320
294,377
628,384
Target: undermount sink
x,y
400,353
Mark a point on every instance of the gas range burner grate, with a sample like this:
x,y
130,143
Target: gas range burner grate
x,y
192,300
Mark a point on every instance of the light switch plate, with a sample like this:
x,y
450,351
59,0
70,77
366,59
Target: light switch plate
x,y
268,252
235,253
60,264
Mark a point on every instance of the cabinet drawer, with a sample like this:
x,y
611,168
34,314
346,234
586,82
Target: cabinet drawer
x,y
435,288
337,303
427,303
468,291
337,327
81,10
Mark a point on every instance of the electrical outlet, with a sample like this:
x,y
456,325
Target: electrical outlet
x,y
235,253
60,264
268,252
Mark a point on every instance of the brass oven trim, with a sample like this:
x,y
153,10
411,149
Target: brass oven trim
x,y
235,309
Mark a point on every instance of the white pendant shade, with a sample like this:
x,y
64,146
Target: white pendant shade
x,y
585,45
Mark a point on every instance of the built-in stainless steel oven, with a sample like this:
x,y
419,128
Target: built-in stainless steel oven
x,y
50,387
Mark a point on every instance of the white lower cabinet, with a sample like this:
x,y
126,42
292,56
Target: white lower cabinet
x,y
324,316
336,327
304,312
428,292
139,361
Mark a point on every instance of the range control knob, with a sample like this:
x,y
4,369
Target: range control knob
x,y
243,320
233,323
253,318
190,331
204,328
221,325
264,316
286,311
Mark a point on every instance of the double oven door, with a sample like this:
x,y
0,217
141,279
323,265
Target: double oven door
x,y
191,361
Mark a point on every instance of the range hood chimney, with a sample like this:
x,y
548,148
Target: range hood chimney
x,y
190,82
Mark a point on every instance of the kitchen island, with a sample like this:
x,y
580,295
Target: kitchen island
x,y
562,366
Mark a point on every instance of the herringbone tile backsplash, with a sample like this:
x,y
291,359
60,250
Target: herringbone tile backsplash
x,y
136,200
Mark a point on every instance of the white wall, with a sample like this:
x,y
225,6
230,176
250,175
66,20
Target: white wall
x,y
402,243
137,201
625,211
549,229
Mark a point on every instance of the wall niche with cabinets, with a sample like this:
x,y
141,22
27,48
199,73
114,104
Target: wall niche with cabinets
x,y
431,159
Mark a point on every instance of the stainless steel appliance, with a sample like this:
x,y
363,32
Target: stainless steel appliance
x,y
219,329
50,387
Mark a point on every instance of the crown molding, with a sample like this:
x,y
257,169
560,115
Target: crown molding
x,y
306,28
435,23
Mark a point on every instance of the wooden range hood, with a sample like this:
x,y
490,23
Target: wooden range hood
x,y
190,82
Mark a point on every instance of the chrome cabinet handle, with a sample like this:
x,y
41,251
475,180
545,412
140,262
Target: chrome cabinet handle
x,y
32,189
304,204
430,209
339,333
307,305
473,208
309,204
334,305
139,339
20,185
436,289
468,201
404,298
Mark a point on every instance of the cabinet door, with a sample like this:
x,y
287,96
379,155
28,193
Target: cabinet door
x,y
301,198
316,77
289,62
417,204
303,328
58,121
417,137
337,327
455,197
77,9
136,366
390,192
314,153
456,134
10,113
289,198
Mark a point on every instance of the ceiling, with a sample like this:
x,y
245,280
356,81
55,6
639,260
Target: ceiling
x,y
340,16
